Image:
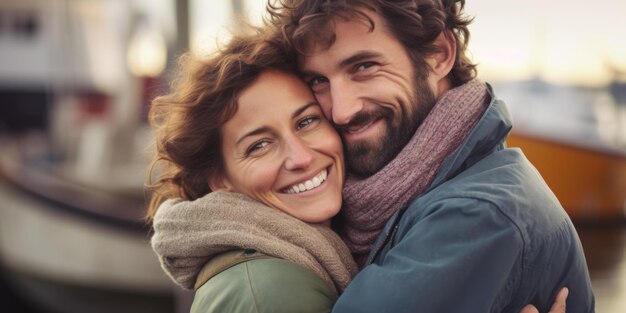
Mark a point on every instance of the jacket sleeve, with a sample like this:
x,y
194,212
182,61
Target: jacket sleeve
x,y
263,286
462,255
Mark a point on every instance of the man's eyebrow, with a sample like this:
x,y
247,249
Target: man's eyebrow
x,y
355,58
358,57
304,74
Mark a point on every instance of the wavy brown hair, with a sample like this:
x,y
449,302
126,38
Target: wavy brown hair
x,y
308,24
187,121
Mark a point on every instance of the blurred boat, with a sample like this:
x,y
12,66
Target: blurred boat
x,y
590,183
70,248
73,158
576,138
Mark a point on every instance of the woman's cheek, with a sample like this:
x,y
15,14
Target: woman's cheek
x,y
264,177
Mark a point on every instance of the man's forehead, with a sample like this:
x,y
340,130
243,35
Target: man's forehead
x,y
343,44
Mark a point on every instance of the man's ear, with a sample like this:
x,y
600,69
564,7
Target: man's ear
x,y
441,62
220,182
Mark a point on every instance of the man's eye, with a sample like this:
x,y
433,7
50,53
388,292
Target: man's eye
x,y
364,66
317,82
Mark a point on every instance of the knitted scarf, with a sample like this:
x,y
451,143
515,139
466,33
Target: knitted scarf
x,y
370,202
187,234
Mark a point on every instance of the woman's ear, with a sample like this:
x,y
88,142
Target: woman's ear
x,y
220,182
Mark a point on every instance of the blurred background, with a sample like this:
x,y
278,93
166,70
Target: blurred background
x,y
77,78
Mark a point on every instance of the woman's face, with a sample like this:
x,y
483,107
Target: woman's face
x,y
279,149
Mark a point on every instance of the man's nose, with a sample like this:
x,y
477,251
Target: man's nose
x,y
298,154
345,102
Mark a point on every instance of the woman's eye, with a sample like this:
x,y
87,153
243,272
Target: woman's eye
x,y
257,147
307,121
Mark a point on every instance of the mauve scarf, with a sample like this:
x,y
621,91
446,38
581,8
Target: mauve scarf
x,y
187,234
370,202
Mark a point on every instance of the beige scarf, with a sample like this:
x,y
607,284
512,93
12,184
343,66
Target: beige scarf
x,y
187,234
369,203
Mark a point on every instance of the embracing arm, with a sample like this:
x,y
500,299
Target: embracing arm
x,y
265,285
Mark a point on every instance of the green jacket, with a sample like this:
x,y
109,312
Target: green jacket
x,y
249,281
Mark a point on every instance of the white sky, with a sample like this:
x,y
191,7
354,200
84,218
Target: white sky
x,y
563,41
559,40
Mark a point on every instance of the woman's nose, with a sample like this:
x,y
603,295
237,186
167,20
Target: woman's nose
x,y
298,155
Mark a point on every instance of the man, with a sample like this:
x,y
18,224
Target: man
x,y
439,213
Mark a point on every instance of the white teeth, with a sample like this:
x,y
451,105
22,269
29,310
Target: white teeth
x,y
309,184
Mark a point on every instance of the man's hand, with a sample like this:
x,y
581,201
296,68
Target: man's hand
x,y
557,307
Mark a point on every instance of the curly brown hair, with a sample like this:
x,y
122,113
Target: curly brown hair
x,y
308,24
187,121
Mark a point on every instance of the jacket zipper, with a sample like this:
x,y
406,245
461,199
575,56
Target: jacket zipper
x,y
388,239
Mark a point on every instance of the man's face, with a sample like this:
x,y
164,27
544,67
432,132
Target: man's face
x,y
367,86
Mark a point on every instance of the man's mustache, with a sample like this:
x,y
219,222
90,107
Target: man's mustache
x,y
366,117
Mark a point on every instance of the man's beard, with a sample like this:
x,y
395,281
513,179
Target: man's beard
x,y
365,158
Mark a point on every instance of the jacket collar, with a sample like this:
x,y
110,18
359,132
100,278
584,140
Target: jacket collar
x,y
489,134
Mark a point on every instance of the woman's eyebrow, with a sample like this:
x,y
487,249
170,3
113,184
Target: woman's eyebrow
x,y
302,109
253,132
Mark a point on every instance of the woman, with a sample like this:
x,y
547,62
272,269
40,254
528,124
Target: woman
x,y
258,172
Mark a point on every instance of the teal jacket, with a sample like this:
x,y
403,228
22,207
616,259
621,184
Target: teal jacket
x,y
248,281
487,236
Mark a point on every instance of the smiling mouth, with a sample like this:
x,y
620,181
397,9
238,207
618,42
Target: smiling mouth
x,y
309,184
359,128
363,121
